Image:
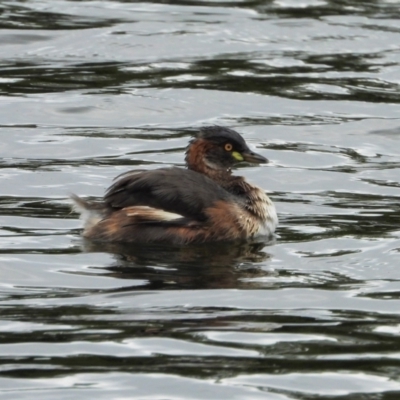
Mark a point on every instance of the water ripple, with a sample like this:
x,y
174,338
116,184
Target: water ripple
x,y
89,90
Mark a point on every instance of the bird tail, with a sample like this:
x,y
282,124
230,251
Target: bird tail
x,y
91,213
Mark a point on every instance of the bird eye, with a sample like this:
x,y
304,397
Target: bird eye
x,y
228,147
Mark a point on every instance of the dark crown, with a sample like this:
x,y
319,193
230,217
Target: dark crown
x,y
221,134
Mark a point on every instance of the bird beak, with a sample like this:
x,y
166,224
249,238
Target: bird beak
x,y
252,157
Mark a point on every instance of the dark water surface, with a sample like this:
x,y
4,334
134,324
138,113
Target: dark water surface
x,y
90,89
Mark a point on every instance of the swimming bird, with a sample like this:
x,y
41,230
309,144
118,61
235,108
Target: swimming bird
x,y
203,203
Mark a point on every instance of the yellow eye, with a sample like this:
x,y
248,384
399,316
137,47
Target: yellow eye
x,y
228,147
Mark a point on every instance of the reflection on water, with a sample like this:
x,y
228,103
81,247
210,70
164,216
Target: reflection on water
x,y
214,266
92,89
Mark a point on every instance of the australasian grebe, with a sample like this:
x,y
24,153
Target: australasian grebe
x,y
204,203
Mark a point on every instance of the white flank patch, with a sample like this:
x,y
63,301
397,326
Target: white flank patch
x,y
152,213
269,225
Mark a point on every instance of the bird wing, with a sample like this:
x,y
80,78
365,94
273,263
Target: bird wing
x,y
175,191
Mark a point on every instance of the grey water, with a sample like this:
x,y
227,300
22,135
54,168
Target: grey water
x,y
90,89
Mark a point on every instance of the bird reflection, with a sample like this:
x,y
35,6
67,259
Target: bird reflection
x,y
211,266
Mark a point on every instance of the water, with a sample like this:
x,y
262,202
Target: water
x,y
90,89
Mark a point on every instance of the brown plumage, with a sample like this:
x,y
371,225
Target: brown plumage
x,y
174,205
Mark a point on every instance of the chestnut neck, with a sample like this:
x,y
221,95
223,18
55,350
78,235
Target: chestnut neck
x,y
196,161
